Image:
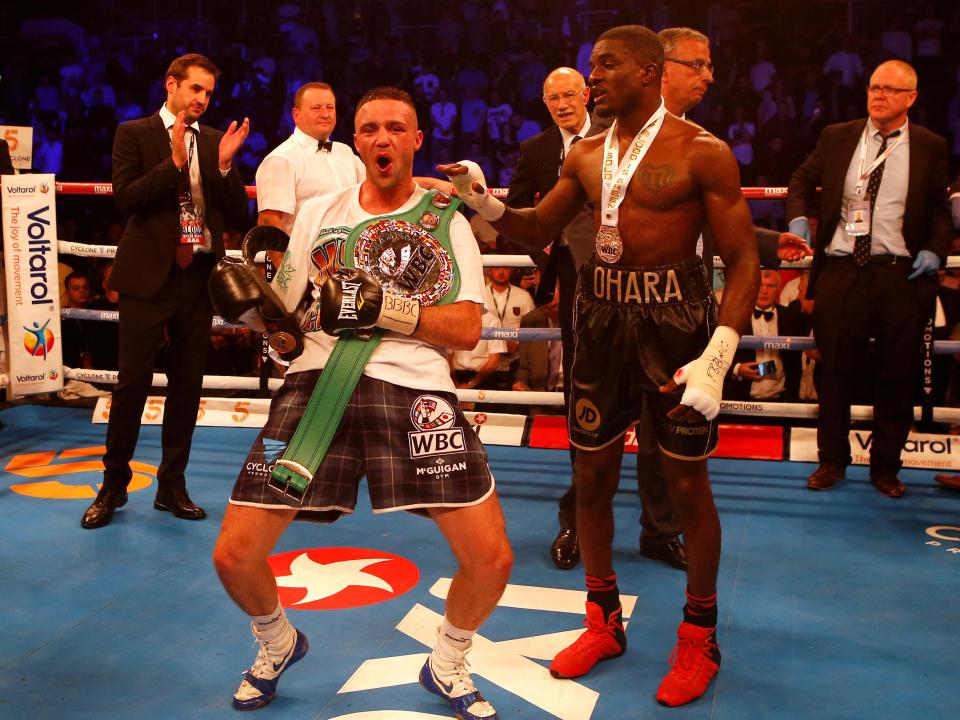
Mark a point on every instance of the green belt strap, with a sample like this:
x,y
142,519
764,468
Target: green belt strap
x,y
293,472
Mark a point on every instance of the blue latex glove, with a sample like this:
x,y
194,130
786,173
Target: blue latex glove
x,y
955,210
800,226
926,263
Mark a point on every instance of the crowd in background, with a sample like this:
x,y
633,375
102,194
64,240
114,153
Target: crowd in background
x,y
782,72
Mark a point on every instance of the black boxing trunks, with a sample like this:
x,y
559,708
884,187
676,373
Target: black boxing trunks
x,y
634,327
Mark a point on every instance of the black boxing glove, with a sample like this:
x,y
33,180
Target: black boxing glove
x,y
352,300
239,293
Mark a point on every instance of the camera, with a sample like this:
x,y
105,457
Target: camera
x,y
766,368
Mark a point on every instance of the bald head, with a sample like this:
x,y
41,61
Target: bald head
x,y
565,94
891,94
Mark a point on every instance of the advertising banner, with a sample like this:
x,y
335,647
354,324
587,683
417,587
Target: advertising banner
x,y
29,219
20,141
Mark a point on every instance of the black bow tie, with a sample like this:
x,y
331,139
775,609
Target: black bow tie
x,y
325,146
765,314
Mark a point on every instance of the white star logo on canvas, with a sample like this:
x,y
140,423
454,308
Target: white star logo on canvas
x,y
323,581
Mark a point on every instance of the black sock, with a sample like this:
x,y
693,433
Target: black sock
x,y
701,611
603,591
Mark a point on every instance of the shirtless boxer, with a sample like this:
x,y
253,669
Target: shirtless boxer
x,y
646,322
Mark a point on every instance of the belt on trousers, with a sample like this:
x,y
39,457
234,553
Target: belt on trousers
x,y
874,259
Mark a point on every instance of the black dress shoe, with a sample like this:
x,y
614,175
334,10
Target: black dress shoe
x,y
825,476
671,552
178,503
565,551
100,513
888,484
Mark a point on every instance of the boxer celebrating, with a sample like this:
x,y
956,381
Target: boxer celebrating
x,y
646,323
413,285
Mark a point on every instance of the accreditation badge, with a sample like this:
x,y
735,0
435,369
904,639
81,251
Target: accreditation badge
x,y
191,224
858,217
609,244
405,259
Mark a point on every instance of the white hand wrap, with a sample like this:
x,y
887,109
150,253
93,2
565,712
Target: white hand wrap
x,y
399,314
704,376
484,203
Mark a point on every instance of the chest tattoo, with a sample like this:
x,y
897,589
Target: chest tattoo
x,y
656,177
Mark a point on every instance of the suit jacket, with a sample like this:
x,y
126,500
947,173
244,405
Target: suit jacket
x,y
145,189
534,366
790,322
536,173
926,219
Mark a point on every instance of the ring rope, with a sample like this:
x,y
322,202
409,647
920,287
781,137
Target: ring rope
x,y
748,342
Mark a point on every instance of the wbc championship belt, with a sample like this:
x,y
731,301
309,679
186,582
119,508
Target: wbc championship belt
x,y
409,255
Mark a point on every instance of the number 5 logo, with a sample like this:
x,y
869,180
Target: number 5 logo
x,y
241,411
12,138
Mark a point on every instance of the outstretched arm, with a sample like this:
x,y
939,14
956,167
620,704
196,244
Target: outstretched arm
x,y
533,228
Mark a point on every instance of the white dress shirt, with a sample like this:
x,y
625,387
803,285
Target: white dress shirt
x,y
297,170
196,184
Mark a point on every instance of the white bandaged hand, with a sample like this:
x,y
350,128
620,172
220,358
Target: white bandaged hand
x,y
483,202
704,376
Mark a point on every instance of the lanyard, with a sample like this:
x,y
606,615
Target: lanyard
x,y
864,174
615,183
506,302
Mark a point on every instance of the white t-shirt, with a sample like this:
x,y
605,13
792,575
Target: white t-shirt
x,y
297,170
322,225
509,307
474,359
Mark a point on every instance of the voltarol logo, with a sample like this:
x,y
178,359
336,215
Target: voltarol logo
x,y
339,578
38,245
38,341
946,536
75,462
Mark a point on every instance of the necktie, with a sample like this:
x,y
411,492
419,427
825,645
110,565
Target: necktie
x,y
184,255
563,153
325,146
765,314
861,246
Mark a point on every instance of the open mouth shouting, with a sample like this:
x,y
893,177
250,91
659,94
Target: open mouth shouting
x,y
384,163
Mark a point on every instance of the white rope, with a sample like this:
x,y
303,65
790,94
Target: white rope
x,y
745,408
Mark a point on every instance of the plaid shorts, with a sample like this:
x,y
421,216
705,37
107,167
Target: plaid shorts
x,y
415,447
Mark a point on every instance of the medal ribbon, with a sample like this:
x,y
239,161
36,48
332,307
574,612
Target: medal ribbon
x,y
614,184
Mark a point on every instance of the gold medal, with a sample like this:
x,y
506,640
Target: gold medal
x,y
609,244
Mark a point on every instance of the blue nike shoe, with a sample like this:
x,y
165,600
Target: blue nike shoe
x,y
459,691
259,684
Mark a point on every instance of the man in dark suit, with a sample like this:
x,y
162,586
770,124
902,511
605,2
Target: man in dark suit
x,y
876,277
174,179
565,94
746,381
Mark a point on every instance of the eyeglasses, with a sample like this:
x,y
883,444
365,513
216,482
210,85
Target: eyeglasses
x,y
698,65
886,90
568,96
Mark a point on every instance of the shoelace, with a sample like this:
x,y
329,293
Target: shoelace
x,y
594,635
687,656
263,665
463,685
